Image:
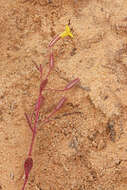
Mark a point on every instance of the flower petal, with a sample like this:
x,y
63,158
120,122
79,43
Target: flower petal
x,y
67,32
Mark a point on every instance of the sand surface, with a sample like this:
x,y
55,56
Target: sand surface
x,y
84,147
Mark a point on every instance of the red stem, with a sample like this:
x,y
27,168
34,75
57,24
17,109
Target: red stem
x,y
35,126
54,40
25,182
29,161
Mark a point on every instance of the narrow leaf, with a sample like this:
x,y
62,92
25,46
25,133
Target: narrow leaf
x,y
29,122
60,104
36,65
71,84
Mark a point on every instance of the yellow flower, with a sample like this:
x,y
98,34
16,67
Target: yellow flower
x,y
67,32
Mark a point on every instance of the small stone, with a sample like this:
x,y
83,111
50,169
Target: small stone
x,y
94,144
101,145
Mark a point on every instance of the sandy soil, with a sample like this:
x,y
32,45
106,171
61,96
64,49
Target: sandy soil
x,y
84,147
